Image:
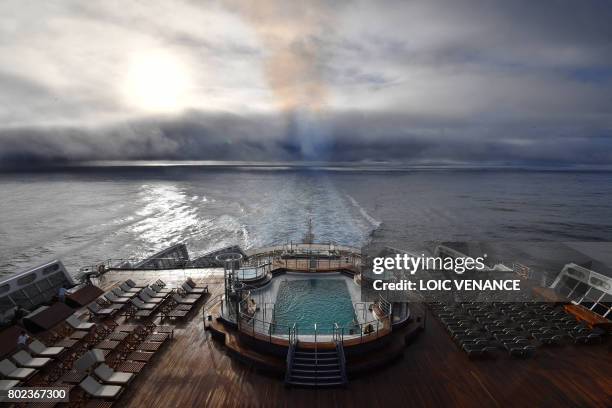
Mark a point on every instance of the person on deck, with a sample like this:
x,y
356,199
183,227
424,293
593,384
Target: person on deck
x,y
61,294
22,340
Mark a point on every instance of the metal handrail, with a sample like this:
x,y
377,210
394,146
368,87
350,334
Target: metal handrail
x,y
369,328
341,356
291,351
316,356
210,301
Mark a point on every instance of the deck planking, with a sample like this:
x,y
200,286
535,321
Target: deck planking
x,y
195,370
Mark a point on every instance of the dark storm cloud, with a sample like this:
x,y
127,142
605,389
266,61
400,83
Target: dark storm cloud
x,y
467,81
351,137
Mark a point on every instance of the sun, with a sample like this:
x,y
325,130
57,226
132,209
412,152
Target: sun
x,y
156,82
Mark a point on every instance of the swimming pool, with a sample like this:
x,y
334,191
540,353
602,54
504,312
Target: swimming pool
x,y
309,301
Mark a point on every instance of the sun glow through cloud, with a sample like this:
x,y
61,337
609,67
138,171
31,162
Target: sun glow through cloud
x,y
156,82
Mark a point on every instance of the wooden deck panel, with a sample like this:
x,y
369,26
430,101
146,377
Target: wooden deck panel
x,y
194,370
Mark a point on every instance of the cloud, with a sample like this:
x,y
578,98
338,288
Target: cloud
x,y
353,137
465,81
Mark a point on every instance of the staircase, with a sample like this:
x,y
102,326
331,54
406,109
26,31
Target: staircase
x,y
312,368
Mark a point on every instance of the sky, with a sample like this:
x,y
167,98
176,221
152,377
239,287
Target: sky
x,y
414,82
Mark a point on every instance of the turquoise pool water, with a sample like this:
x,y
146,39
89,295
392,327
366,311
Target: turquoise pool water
x,y
309,301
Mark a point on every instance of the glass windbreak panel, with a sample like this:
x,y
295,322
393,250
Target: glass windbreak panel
x,y
600,309
31,291
24,280
5,288
50,269
579,291
5,304
566,285
20,298
607,300
57,278
44,285
593,294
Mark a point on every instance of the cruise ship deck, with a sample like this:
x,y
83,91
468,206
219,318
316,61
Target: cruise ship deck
x,y
203,358
195,370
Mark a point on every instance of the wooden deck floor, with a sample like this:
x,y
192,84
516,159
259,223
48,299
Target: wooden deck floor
x,y
195,371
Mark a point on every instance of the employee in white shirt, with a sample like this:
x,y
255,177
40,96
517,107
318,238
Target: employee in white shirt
x,y
22,340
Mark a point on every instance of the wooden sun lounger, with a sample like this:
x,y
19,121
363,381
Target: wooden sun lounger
x,y
133,284
99,311
184,300
77,324
6,385
112,297
39,349
9,370
122,293
97,390
128,289
25,359
109,376
192,291
148,299
160,289
156,295
194,285
140,305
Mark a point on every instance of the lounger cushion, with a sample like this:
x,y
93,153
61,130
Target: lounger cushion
x,y
111,297
10,370
41,350
127,288
8,384
106,374
133,284
94,388
184,301
24,359
78,324
143,306
189,289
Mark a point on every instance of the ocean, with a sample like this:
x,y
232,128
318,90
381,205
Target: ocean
x,y
86,215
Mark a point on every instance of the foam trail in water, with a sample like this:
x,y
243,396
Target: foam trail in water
x,y
375,223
